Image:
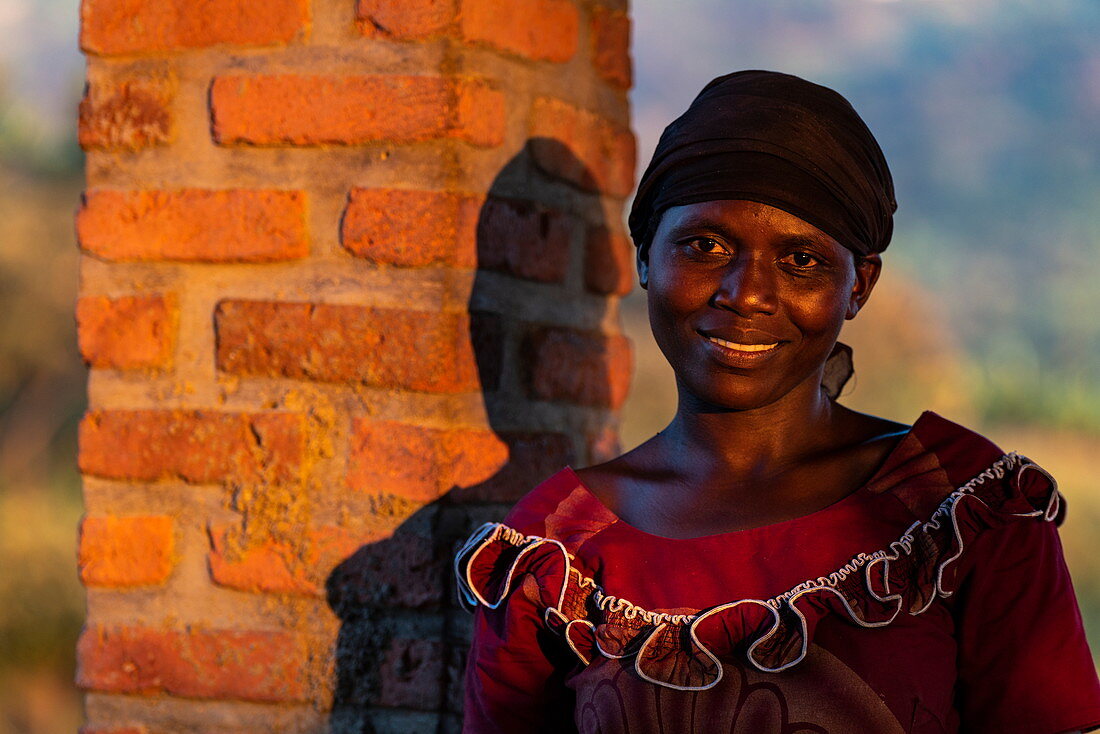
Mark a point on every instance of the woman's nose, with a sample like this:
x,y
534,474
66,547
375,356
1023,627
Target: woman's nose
x,y
747,287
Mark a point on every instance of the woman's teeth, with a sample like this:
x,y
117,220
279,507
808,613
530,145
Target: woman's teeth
x,y
743,347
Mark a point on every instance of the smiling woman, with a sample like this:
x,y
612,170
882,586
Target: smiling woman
x,y
751,287
773,561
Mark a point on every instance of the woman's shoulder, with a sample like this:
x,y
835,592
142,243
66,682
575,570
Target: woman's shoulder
x,y
961,451
939,461
934,448
559,507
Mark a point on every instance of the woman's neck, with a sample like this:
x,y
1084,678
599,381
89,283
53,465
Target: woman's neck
x,y
750,443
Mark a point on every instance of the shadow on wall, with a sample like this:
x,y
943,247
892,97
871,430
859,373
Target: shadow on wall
x,y
401,649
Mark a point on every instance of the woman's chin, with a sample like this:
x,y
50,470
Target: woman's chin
x,y
725,399
740,394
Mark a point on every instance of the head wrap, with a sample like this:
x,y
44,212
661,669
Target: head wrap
x,y
779,140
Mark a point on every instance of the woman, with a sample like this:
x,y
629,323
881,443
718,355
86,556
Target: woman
x,y
773,561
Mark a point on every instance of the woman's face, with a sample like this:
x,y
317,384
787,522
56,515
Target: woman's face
x,y
746,301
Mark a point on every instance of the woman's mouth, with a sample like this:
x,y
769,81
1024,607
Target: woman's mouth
x,y
743,347
742,355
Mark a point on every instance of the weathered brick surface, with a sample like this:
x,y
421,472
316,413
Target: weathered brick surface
x,y
291,109
412,228
534,29
412,674
525,239
403,571
405,19
581,147
417,462
413,350
135,550
274,567
127,114
112,27
196,663
610,34
586,368
113,730
455,674
608,262
130,332
537,30
353,441
235,225
194,446
532,457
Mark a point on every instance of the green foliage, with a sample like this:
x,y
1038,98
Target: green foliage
x,y
43,602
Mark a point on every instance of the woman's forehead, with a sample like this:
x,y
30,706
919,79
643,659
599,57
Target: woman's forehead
x,y
742,216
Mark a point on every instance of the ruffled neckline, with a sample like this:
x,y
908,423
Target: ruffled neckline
x,y
684,651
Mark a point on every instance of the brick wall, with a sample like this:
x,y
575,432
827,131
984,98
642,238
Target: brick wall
x,y
349,288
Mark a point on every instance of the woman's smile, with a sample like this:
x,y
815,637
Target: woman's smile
x,y
741,353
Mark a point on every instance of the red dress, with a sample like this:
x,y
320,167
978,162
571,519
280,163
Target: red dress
x,y
934,598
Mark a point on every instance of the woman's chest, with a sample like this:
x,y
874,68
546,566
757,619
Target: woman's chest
x,y
779,629
857,680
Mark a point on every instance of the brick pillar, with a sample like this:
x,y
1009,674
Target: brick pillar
x,y
349,288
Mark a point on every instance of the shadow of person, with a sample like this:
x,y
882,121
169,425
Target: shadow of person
x,y
400,650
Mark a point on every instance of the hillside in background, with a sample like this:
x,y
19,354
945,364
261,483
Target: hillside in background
x,y
987,112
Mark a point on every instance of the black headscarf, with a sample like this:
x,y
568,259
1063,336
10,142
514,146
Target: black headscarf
x,y
779,140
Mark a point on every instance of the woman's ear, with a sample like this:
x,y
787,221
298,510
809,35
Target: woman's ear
x,y
868,268
642,262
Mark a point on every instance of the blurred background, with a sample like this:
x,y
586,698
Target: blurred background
x,y
987,311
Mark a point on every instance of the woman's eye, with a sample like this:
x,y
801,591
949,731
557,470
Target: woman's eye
x,y
802,259
707,245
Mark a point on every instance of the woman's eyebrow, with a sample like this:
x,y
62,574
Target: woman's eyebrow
x,y
801,240
691,225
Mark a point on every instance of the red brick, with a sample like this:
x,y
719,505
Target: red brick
x,y
135,550
111,27
525,239
290,109
405,570
542,30
412,228
126,114
196,663
610,34
194,225
531,458
411,674
215,728
586,368
413,350
480,113
194,446
417,462
582,148
274,567
608,262
130,332
405,19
